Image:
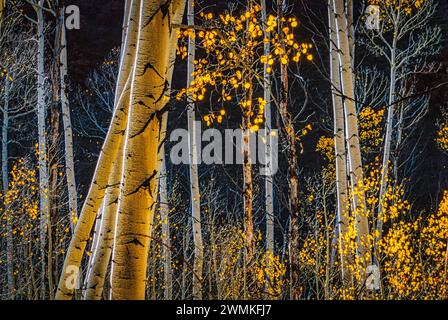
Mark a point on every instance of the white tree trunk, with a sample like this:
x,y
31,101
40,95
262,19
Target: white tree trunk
x,y
166,240
352,135
388,133
42,145
68,133
195,198
269,190
339,145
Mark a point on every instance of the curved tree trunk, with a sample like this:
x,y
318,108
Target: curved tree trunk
x,y
104,166
68,133
101,256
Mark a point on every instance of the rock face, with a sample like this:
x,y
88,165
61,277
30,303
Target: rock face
x,y
100,32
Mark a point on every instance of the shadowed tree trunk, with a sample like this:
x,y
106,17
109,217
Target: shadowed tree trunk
x,y
293,174
5,185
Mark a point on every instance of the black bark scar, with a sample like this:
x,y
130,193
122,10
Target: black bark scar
x,y
145,185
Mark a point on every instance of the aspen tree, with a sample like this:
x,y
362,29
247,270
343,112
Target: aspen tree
x,y
150,87
144,82
269,190
103,250
352,135
339,145
195,198
5,185
400,22
293,175
19,88
105,162
68,132
166,240
42,144
247,162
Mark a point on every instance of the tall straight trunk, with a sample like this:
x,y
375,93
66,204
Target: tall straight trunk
x,y
352,134
68,133
42,146
248,180
339,147
53,147
150,85
269,181
195,198
389,130
289,133
247,136
5,184
166,239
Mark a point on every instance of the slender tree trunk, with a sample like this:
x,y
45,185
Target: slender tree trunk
x,y
68,133
5,182
166,237
289,133
340,148
42,146
195,198
269,181
352,135
103,251
248,181
52,151
388,135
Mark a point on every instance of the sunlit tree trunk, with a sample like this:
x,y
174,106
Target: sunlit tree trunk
x,y
352,135
144,80
195,199
68,133
2,8
340,147
149,94
103,250
106,158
